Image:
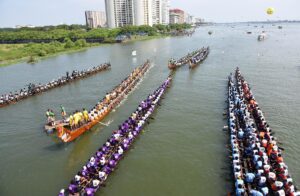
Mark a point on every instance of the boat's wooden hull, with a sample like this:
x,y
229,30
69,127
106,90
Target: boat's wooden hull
x,y
108,66
193,65
73,134
172,66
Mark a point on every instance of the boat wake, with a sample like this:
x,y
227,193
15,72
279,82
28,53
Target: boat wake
x,y
106,124
136,87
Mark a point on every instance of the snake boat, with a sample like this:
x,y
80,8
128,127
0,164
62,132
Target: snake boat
x,y
102,109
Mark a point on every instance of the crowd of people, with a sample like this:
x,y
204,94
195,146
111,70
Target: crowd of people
x,y
258,166
33,89
94,174
110,101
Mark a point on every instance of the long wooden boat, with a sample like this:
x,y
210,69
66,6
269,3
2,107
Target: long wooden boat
x,y
240,165
173,64
258,165
58,83
95,172
198,58
67,135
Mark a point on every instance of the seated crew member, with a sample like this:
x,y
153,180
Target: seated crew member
x,y
81,121
102,175
240,190
255,193
249,177
71,121
76,119
85,115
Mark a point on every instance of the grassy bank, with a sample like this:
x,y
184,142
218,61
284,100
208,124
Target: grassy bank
x,y
14,53
64,38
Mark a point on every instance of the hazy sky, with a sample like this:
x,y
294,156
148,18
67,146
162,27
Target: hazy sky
x,y
53,12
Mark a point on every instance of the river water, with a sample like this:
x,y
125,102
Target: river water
x,y
183,150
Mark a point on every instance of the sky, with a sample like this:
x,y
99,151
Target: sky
x,y
54,12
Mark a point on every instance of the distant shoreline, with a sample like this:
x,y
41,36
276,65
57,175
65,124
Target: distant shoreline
x,y
67,50
261,22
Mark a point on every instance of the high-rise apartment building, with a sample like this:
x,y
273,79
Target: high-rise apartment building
x,y
95,19
160,10
177,16
136,12
156,11
143,12
165,9
189,19
119,13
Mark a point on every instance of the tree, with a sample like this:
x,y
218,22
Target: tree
x,y
80,43
68,43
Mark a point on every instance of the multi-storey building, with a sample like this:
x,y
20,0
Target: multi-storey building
x,y
136,12
177,16
119,13
95,19
165,8
156,12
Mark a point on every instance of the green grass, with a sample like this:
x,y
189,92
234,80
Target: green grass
x,y
14,53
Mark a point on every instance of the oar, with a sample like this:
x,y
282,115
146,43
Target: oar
x,y
281,148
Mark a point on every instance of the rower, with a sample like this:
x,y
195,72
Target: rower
x,y
85,115
76,118
71,121
250,177
61,192
102,175
255,193
240,190
120,150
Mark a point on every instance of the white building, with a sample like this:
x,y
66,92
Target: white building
x,y
95,19
119,13
143,14
189,19
136,12
165,9
174,18
160,10
156,12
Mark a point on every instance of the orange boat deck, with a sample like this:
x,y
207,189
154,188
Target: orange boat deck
x,y
67,135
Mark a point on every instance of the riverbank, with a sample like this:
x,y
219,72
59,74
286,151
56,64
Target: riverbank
x,y
15,53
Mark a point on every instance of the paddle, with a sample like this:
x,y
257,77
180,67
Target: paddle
x,y
281,148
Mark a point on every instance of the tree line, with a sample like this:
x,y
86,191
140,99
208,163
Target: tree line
x,y
78,32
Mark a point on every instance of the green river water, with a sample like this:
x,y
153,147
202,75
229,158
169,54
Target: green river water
x,y
182,151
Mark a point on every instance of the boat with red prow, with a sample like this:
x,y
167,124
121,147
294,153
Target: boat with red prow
x,y
80,122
